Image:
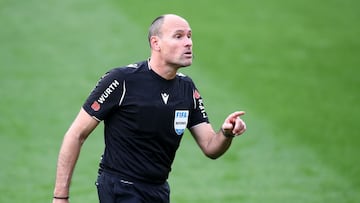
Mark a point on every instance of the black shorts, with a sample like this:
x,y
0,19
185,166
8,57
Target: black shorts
x,y
113,189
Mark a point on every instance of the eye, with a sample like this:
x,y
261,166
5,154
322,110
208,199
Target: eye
x,y
178,36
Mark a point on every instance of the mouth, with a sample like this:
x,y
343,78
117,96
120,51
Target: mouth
x,y
188,54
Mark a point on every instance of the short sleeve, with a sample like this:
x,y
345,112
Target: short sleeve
x,y
198,114
106,95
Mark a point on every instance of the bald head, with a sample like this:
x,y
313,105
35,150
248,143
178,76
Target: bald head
x,y
156,25
170,39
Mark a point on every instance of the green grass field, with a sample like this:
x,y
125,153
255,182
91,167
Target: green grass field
x,y
293,66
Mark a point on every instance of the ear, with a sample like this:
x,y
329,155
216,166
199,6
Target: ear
x,y
155,43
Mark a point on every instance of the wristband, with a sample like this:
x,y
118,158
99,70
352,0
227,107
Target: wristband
x,y
55,197
227,134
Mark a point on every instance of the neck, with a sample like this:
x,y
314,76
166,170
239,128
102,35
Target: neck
x,y
165,71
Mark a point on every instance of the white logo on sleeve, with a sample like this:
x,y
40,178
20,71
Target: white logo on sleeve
x,y
180,121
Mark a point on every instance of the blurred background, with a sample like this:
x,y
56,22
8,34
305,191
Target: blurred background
x,y
293,66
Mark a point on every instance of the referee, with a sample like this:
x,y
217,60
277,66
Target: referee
x,y
146,107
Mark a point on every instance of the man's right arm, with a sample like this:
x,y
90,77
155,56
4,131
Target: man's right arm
x,y
79,130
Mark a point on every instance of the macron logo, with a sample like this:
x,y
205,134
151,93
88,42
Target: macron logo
x,y
165,97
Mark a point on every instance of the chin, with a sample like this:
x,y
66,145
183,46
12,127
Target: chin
x,y
187,63
182,63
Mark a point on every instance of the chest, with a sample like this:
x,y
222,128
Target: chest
x,y
158,105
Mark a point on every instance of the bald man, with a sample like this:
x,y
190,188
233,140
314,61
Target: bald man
x,y
146,107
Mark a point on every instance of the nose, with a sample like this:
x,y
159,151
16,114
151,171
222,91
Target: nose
x,y
188,42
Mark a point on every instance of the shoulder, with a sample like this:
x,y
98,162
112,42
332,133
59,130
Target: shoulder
x,y
184,78
129,69
123,72
119,74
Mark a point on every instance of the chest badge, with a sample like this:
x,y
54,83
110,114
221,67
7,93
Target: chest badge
x,y
180,121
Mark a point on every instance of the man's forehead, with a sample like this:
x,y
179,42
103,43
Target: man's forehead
x,y
176,24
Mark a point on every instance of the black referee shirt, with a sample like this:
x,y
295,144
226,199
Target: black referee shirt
x,y
145,117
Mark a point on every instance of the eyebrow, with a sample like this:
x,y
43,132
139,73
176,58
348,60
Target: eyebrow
x,y
177,31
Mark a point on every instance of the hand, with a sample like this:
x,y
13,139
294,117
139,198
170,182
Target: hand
x,y
233,124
